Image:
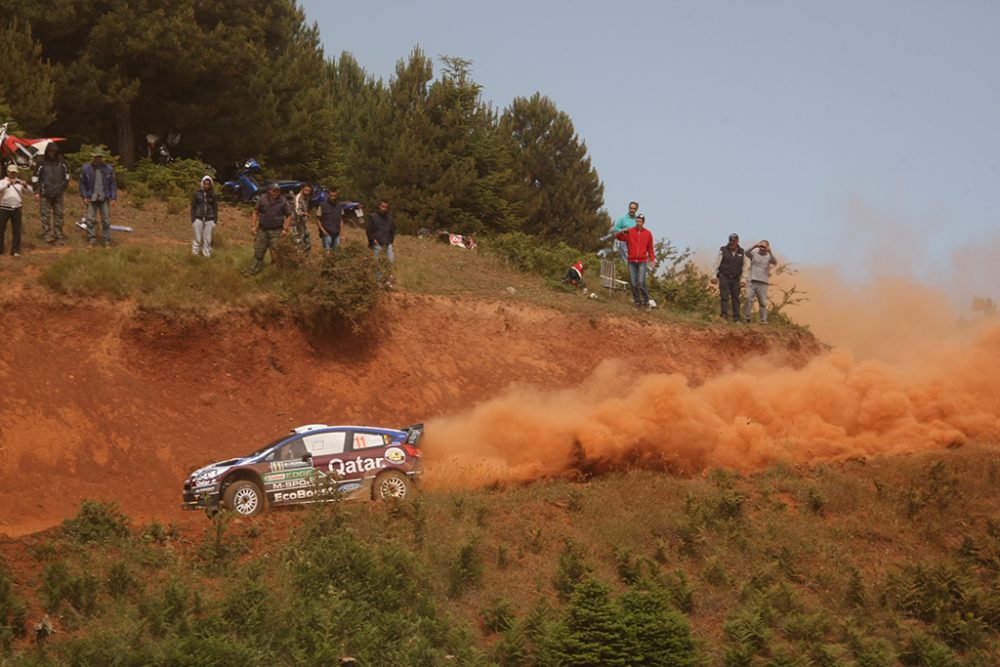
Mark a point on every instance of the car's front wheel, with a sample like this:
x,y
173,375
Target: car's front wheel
x,y
392,484
243,497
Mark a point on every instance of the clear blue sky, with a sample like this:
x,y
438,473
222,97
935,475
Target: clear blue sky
x,y
871,125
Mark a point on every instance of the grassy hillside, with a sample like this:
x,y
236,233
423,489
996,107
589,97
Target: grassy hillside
x,y
884,562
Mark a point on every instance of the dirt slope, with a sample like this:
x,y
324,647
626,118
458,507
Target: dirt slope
x,y
100,401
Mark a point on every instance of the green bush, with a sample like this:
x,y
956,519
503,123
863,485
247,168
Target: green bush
x,y
466,569
96,522
60,584
13,609
528,253
343,290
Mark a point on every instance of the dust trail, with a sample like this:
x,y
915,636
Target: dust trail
x,y
834,408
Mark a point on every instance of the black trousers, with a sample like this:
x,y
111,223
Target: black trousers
x,y
729,293
14,215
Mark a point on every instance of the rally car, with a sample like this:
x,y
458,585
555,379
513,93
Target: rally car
x,y
312,463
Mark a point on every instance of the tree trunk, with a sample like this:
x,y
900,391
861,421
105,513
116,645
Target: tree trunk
x,y
126,138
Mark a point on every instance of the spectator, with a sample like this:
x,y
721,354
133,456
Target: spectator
x,y
623,224
729,276
759,270
302,204
574,275
381,232
99,192
11,189
330,221
270,222
204,217
52,179
639,242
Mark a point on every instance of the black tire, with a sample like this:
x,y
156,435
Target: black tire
x,y
244,498
231,195
392,484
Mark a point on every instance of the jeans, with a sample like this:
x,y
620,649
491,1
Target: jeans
x,y
104,207
14,215
729,292
49,208
389,256
637,276
623,251
202,237
301,230
756,289
331,242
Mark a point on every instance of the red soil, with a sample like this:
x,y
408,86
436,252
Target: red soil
x,y
100,401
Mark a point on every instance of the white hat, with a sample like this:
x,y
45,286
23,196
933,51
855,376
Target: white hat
x,y
12,167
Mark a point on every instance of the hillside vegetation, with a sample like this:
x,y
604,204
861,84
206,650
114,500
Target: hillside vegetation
x,y
885,562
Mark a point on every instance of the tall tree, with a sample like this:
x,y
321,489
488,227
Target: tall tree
x,y
561,193
26,85
209,71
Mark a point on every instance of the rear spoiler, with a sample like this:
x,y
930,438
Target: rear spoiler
x,y
413,434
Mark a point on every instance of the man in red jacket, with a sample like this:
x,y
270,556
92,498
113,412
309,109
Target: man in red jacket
x,y
640,255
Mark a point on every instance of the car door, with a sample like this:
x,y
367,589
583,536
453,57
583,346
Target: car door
x,y
289,473
326,450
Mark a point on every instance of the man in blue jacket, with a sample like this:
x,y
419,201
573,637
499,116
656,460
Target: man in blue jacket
x,y
99,192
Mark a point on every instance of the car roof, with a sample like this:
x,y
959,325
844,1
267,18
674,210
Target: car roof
x,y
306,428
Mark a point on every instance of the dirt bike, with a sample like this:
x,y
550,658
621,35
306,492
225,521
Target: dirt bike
x,y
245,188
21,151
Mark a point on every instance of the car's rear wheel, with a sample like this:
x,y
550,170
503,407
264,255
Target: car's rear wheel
x,y
243,497
392,484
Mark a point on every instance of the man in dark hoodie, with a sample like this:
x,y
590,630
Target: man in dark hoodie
x,y
51,179
204,217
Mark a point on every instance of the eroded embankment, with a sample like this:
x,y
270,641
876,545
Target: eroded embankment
x,y
100,401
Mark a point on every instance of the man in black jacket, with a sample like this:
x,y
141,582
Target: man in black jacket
x,y
51,179
728,274
381,232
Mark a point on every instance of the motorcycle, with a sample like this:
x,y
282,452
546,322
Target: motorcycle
x,y
22,151
245,188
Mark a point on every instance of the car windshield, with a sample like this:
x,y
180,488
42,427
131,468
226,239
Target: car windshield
x,y
267,446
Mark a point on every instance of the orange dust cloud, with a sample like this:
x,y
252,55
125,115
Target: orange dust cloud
x,y
834,408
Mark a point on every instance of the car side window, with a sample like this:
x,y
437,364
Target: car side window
x,y
290,451
364,440
326,443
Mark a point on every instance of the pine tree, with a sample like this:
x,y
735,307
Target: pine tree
x,y
657,635
594,632
560,191
26,85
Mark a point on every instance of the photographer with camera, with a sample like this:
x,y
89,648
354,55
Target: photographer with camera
x,y
11,189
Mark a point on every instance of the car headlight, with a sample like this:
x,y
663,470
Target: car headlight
x,y
207,475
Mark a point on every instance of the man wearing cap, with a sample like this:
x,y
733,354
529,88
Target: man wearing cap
x,y
640,254
729,274
271,220
99,191
11,188
51,178
761,259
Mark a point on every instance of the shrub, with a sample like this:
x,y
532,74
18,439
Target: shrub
x,y
13,609
343,290
571,570
528,253
96,522
657,635
79,590
498,616
595,633
466,569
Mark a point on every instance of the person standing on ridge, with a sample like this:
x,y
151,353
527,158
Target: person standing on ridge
x,y
99,192
270,222
381,232
204,217
330,220
639,241
759,271
729,276
11,203
52,178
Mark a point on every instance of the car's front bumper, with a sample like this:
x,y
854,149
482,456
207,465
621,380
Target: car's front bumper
x,y
201,498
